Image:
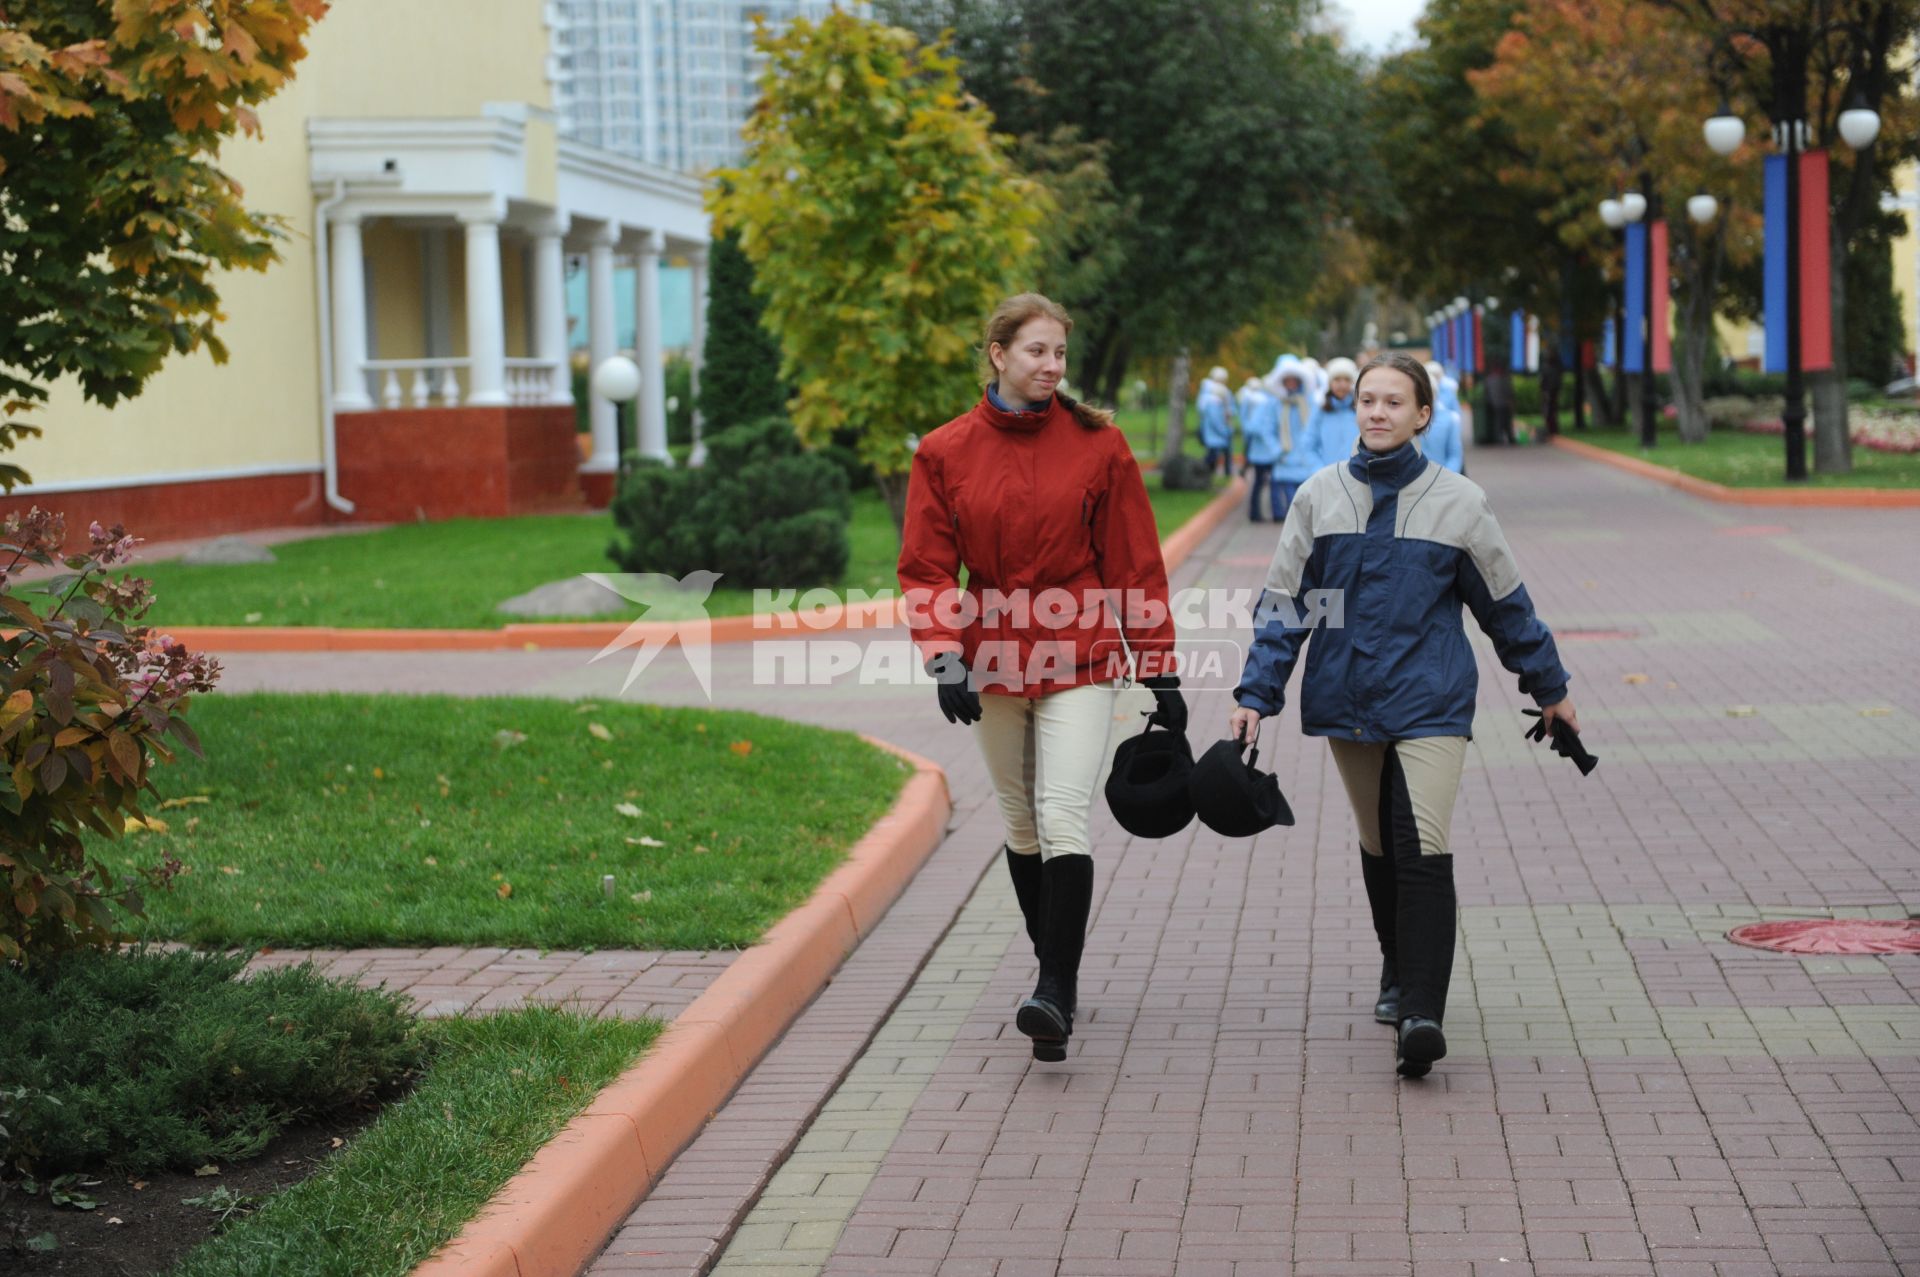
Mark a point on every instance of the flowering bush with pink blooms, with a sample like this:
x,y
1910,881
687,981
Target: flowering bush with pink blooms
x,y
88,701
1881,429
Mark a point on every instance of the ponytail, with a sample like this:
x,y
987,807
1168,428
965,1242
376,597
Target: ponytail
x,y
1085,413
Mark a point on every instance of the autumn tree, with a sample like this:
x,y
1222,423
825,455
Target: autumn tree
x,y
114,213
884,221
1232,127
1602,96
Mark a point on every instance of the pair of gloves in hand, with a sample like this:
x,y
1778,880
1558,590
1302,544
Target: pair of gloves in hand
x,y
961,703
1566,741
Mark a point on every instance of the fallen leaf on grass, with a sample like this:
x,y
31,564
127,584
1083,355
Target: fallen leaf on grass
x,y
335,1142
644,841
599,731
505,890
742,747
627,809
230,870
507,738
204,1171
115,1219
183,801
641,897
135,825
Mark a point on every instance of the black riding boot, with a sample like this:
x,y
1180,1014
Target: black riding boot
x,y
1028,890
1383,895
1047,1016
1427,908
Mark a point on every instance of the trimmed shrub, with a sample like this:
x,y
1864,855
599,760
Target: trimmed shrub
x,y
149,1061
763,512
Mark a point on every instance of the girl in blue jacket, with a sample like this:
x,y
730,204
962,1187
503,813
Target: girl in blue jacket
x,y
1334,432
1217,411
1260,423
1443,436
1385,549
1297,460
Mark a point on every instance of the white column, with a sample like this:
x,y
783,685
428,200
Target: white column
x,y
600,342
550,305
349,315
697,260
646,347
486,315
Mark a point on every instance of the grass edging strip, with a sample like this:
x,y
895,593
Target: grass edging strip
x,y
569,635
557,1213
1829,498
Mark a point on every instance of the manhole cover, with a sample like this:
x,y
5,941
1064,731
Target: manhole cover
x,y
1831,935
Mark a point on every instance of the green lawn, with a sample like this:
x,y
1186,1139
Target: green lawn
x,y
449,575
1739,459
337,820
499,1088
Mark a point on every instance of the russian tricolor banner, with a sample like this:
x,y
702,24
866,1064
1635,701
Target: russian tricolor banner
x,y
1816,284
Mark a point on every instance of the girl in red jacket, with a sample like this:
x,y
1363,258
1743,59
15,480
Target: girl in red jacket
x,y
1040,499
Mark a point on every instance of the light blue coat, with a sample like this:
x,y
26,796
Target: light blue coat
x,y
1334,432
1298,462
1216,412
1260,420
1441,443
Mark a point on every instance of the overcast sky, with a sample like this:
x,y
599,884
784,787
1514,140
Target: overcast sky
x,y
1378,26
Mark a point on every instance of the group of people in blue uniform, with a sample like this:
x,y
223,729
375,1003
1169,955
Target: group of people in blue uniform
x,y
1300,418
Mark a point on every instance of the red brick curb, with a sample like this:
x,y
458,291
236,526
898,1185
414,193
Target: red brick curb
x,y
1831,498
593,634
557,1213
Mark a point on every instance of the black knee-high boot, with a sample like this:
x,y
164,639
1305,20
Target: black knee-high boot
x,y
1425,911
1383,899
1028,890
1047,1016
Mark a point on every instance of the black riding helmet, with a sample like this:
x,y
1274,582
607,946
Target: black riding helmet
x,y
1231,797
1147,788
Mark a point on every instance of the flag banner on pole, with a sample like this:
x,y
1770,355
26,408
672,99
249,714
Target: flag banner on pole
x,y
1533,343
1816,278
1633,358
1662,316
1517,342
1773,290
1479,343
1607,347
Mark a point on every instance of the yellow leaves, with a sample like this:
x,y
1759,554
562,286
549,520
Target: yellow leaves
x,y
504,891
140,825
185,800
741,747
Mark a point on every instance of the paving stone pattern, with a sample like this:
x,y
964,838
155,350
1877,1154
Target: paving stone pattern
x,y
1628,1092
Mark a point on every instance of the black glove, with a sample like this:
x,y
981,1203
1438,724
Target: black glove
x,y
958,701
1566,741
1171,707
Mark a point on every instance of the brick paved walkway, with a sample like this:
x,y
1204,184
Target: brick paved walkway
x,y
1628,1093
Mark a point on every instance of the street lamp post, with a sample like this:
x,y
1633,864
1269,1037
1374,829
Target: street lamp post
x,y
1615,216
1788,48
1633,208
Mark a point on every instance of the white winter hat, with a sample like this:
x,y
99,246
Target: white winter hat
x,y
1435,372
1342,367
1218,374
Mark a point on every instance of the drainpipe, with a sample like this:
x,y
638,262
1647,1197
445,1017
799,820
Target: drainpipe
x,y
330,459
388,177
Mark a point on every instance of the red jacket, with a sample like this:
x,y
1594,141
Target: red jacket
x,y
1032,502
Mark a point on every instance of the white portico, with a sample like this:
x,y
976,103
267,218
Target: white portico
x,y
446,244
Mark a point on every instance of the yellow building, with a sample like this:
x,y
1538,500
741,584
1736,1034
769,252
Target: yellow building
x,y
407,357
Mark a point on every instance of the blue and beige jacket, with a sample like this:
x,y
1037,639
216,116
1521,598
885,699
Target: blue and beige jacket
x,y
1405,542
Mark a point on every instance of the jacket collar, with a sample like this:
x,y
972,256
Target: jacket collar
x,y
997,414
1387,472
